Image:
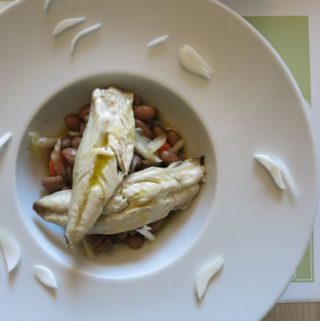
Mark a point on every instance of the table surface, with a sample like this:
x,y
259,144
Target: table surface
x,y
285,311
294,312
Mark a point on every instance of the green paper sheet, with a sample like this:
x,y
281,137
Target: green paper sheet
x,y
289,35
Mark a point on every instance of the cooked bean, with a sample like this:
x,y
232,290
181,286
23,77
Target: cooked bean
x,y
66,142
169,157
53,183
158,130
72,121
136,163
173,137
144,113
157,225
69,155
145,129
120,237
84,113
76,142
95,239
69,172
82,127
105,245
135,241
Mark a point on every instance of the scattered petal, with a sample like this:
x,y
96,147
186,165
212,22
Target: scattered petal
x,y
206,274
158,41
10,250
279,172
193,62
5,139
67,24
45,276
46,4
145,231
81,34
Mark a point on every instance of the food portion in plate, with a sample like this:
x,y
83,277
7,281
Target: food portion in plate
x,y
143,197
117,174
103,159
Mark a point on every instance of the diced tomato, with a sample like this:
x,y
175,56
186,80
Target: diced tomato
x,y
164,148
52,170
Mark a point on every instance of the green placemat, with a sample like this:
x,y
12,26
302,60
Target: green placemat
x,y
290,37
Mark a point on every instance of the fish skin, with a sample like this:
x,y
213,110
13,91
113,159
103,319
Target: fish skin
x,y
102,160
142,198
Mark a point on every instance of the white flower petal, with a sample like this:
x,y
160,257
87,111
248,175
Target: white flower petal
x,y
67,24
81,34
10,250
193,62
206,274
45,276
279,172
145,231
158,41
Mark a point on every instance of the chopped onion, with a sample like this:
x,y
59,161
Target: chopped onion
x,y
157,143
193,62
145,231
67,24
10,250
83,33
143,149
206,274
45,276
42,142
158,41
56,158
5,139
74,133
279,172
177,146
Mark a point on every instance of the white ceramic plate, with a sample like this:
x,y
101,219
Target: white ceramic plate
x,y
251,105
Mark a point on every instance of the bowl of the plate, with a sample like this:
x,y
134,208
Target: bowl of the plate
x,y
184,226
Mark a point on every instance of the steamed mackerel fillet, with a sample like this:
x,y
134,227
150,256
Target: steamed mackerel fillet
x,y
103,158
143,197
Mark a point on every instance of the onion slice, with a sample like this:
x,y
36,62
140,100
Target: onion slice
x,y
45,276
158,41
193,62
145,231
83,33
67,24
42,142
10,250
5,139
206,274
279,172
46,4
